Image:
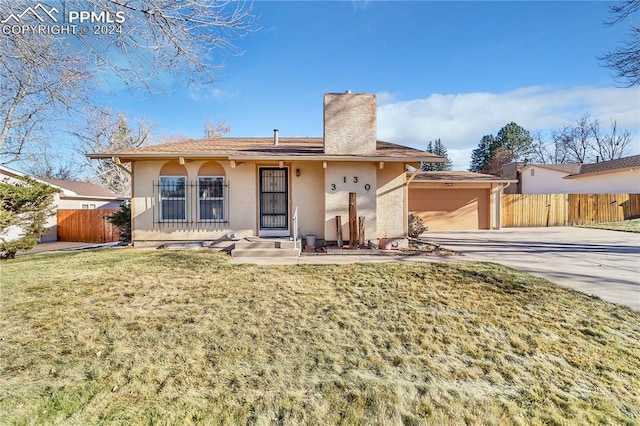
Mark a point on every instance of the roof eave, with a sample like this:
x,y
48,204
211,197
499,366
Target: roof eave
x,y
464,181
601,172
391,159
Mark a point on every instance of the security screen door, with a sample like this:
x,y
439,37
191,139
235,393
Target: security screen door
x,y
274,201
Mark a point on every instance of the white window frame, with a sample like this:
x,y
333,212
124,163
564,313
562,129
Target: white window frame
x,y
88,206
184,199
200,219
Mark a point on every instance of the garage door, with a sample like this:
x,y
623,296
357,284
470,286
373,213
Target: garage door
x,y
451,209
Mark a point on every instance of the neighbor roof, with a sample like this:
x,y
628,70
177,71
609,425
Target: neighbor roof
x,y
81,189
575,170
569,168
458,176
263,149
607,166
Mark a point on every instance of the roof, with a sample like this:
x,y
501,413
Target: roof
x,y
457,176
611,165
569,168
264,149
575,170
4,170
73,188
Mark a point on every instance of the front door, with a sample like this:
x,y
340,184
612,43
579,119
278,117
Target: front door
x,y
274,202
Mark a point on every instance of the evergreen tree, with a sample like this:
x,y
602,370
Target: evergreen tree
x,y
512,143
25,205
482,154
440,150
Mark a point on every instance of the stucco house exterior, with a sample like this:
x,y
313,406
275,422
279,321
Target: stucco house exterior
x,y
209,189
457,200
621,176
70,195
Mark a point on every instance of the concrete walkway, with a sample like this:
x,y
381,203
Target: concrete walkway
x,y
597,262
57,246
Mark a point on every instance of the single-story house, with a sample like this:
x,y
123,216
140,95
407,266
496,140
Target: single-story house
x,y
215,188
621,176
71,195
84,195
454,200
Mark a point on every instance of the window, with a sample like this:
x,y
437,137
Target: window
x,y
173,200
88,206
211,198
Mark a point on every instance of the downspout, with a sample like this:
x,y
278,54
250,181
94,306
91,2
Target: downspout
x,y
499,208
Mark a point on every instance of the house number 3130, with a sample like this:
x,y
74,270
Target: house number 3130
x,y
354,179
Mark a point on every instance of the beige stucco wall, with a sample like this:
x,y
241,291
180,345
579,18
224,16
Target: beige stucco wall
x,y
391,200
241,199
337,200
382,205
307,193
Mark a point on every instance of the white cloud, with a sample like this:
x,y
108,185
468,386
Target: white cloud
x,y
383,98
460,120
199,93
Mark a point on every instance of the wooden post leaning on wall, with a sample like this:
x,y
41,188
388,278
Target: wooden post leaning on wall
x,y
361,231
353,221
339,231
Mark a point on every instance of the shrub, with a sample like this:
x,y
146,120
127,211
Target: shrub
x,y
416,225
122,219
25,206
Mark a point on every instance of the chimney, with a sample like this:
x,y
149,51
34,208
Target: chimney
x,y
276,140
349,123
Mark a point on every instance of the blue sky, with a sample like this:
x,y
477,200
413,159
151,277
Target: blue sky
x,y
449,70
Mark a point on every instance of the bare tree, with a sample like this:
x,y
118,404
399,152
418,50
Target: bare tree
x,y
552,152
500,157
46,163
216,130
107,131
579,139
625,59
613,145
36,81
582,142
44,75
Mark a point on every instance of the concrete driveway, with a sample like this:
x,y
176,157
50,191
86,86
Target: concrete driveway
x,y
597,262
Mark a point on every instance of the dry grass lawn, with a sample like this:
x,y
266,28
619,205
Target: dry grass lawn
x,y
182,337
632,225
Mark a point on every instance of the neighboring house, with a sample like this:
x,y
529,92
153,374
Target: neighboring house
x,y
84,195
448,200
208,189
621,176
71,195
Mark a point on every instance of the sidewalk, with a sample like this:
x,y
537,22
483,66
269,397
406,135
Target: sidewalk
x,y
56,246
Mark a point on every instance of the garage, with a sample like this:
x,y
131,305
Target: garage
x,y
456,201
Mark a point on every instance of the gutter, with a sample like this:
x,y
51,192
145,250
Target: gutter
x,y
131,157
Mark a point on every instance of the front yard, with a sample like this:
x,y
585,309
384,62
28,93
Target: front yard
x,y
631,225
148,336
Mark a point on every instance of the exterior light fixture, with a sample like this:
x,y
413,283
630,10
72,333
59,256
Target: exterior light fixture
x,y
298,172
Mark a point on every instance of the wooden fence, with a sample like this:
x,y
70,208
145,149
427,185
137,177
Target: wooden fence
x,y
88,226
521,210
